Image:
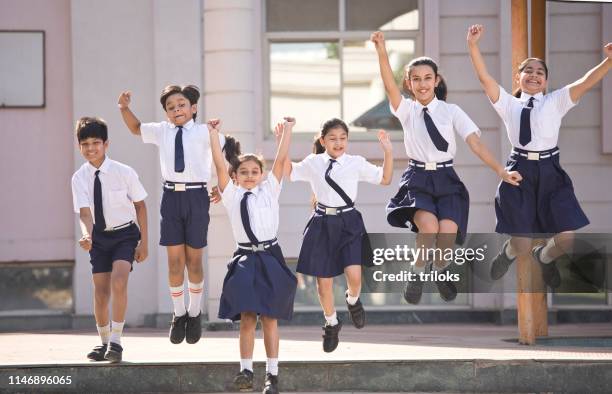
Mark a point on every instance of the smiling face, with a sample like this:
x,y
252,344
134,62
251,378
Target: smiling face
x,y
179,110
93,150
249,174
422,81
335,141
532,79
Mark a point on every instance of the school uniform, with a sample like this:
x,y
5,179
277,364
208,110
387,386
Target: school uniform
x,y
258,279
115,234
185,160
333,238
430,183
545,201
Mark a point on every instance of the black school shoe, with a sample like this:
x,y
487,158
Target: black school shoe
x,y
193,329
446,288
414,290
114,352
177,328
271,384
330,338
243,381
550,272
501,263
97,354
356,313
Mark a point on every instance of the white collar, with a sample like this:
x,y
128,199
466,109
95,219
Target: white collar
x,y
430,107
340,160
525,97
103,167
186,126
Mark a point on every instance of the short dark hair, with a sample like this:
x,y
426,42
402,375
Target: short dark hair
x,y
191,93
91,127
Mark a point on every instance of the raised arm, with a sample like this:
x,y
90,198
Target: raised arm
x,y
217,153
592,77
393,93
282,154
385,143
130,120
488,83
481,150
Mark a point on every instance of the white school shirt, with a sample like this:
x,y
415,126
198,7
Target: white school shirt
x,y
262,205
545,118
196,147
448,118
120,189
347,172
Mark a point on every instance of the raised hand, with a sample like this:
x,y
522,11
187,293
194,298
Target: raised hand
x,y
125,99
475,33
289,121
378,38
385,140
608,50
213,125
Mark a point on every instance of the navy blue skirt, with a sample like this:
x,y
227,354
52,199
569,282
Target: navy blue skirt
x,y
544,202
440,192
332,243
258,282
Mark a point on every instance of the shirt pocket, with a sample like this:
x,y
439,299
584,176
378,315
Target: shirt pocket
x,y
117,198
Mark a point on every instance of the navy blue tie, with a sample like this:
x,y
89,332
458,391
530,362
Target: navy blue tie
x,y
437,139
179,154
244,216
525,131
100,223
335,186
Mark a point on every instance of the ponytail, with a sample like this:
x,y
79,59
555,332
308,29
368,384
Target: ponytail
x,y
232,153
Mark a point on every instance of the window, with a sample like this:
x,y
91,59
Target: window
x,y
321,63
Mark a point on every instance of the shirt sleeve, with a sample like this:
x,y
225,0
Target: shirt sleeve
x,y
136,192
301,171
503,104
79,195
151,132
464,126
273,185
403,109
562,100
370,173
229,194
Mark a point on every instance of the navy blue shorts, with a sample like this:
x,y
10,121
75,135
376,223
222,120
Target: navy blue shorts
x,y
440,192
544,202
110,246
185,218
258,282
332,243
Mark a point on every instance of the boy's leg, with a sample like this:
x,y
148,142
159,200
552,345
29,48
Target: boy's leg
x,y
244,379
271,342
102,294
176,279
119,281
195,275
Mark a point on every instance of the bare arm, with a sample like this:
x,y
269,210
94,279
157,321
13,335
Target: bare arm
x,y
86,223
141,216
592,77
282,154
481,150
217,153
393,93
488,83
385,143
130,120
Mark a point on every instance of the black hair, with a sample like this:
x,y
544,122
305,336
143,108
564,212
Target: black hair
x,y
191,93
234,156
327,126
517,93
91,127
440,91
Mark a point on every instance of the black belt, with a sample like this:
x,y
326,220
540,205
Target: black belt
x,y
431,166
325,210
259,247
536,155
181,187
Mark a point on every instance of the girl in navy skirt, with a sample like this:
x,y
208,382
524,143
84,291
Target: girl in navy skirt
x,y
258,281
432,200
545,202
333,236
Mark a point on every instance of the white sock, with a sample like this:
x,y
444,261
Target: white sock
x,y
272,366
195,298
104,332
350,299
178,299
116,331
246,363
331,320
510,253
544,256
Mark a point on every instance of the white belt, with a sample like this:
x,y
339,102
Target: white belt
x,y
432,166
119,227
536,155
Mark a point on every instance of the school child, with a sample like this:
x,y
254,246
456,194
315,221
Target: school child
x,y
109,199
431,201
545,202
332,242
258,281
185,159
